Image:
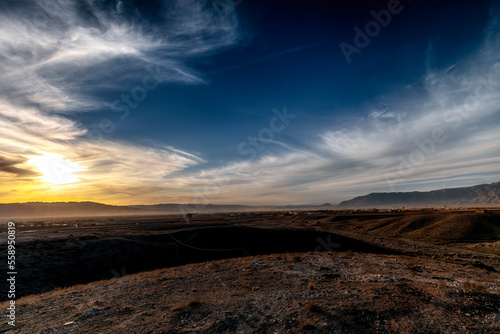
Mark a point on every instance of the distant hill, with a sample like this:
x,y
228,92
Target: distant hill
x,y
172,207
62,209
90,209
228,207
480,195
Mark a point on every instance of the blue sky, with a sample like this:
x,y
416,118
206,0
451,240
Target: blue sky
x,y
245,101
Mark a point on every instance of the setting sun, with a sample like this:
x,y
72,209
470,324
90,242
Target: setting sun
x,y
55,169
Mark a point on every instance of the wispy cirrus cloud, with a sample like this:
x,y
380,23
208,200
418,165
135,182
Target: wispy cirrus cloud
x,y
446,133
53,51
58,57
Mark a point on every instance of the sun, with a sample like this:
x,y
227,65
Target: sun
x,y
55,169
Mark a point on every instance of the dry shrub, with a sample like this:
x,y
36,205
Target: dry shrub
x,y
155,274
311,286
311,307
255,288
244,262
210,266
97,301
30,299
413,268
474,286
394,325
189,303
356,255
290,266
306,324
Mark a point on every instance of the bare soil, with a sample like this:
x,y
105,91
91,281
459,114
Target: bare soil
x,y
261,273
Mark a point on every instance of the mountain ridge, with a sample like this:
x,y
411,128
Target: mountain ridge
x,y
478,195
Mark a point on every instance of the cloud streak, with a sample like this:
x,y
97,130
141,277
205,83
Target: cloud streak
x,y
54,52
444,135
59,56
57,59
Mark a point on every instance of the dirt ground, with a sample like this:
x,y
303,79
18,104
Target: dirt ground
x,y
262,273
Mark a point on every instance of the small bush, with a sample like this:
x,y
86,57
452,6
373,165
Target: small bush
x,y
306,324
413,268
474,286
188,304
311,307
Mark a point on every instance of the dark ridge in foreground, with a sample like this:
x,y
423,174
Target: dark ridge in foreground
x,y
77,260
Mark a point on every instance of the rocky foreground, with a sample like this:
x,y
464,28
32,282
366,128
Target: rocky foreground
x,y
330,273
317,292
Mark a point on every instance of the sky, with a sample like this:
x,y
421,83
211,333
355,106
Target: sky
x,y
257,102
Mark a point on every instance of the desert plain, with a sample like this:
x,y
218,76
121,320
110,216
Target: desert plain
x,y
351,271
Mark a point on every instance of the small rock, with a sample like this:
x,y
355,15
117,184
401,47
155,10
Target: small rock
x,y
92,313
